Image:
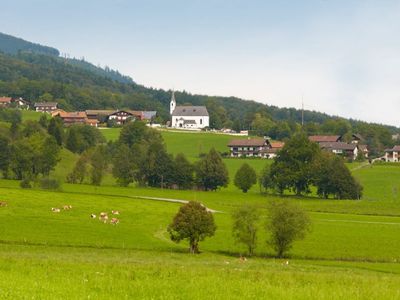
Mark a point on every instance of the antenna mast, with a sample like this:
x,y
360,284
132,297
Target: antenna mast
x,y
302,111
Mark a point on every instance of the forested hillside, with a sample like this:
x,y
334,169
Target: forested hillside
x,y
13,45
78,85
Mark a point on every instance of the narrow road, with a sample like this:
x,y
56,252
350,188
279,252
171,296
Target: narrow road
x,y
172,200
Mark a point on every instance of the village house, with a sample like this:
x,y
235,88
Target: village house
x,y
335,144
14,102
254,147
340,148
45,107
325,138
392,155
188,117
272,149
79,117
5,101
120,117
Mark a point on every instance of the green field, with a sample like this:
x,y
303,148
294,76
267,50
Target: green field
x,y
352,251
55,255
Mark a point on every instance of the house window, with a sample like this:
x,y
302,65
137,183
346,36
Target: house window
x,y
201,121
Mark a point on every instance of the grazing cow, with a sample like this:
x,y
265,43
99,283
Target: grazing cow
x,y
93,216
115,212
103,217
3,203
114,221
56,210
242,259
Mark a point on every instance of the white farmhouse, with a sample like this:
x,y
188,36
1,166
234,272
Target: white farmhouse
x,y
188,117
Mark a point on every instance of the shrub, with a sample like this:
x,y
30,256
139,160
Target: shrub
x,y
25,184
49,184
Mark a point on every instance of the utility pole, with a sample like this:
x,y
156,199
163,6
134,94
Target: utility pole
x,y
302,111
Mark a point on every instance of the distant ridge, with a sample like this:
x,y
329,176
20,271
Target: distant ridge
x,y
12,45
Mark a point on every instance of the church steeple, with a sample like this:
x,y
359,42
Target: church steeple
x,y
172,104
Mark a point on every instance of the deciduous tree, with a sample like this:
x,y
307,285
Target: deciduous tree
x,y
245,178
192,223
245,227
286,223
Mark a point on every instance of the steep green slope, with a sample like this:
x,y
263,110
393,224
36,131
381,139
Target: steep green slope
x,y
12,45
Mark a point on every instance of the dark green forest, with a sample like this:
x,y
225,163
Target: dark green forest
x,y
38,73
12,45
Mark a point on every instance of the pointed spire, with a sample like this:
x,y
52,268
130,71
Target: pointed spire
x,y
172,104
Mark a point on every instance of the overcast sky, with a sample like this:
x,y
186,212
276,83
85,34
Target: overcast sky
x,y
342,57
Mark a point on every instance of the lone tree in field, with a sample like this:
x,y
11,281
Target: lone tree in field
x,y
211,172
245,227
193,223
245,178
287,223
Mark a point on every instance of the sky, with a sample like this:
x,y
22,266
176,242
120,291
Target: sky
x,y
340,57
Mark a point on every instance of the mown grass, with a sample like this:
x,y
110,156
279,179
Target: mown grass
x,y
69,255
31,115
29,219
351,252
61,273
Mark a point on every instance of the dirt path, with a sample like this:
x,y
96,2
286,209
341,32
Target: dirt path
x,y
366,164
171,200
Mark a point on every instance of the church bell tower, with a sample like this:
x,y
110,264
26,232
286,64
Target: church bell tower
x,y
172,104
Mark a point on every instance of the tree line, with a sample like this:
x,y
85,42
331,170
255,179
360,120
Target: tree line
x,y
140,156
300,166
32,149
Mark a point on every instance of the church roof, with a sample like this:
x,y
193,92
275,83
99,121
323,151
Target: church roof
x,y
190,111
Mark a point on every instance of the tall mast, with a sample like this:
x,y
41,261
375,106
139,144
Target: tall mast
x,y
302,111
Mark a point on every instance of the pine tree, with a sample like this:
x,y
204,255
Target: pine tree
x,y
211,172
183,172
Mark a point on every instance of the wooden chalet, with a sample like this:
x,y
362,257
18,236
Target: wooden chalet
x,y
78,117
392,155
5,101
340,148
45,107
13,102
325,138
254,147
119,116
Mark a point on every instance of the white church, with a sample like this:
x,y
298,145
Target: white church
x,y
188,117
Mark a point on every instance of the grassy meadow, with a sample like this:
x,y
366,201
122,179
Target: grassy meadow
x,y
352,251
50,255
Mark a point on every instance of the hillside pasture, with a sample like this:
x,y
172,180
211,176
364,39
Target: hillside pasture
x,y
74,256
